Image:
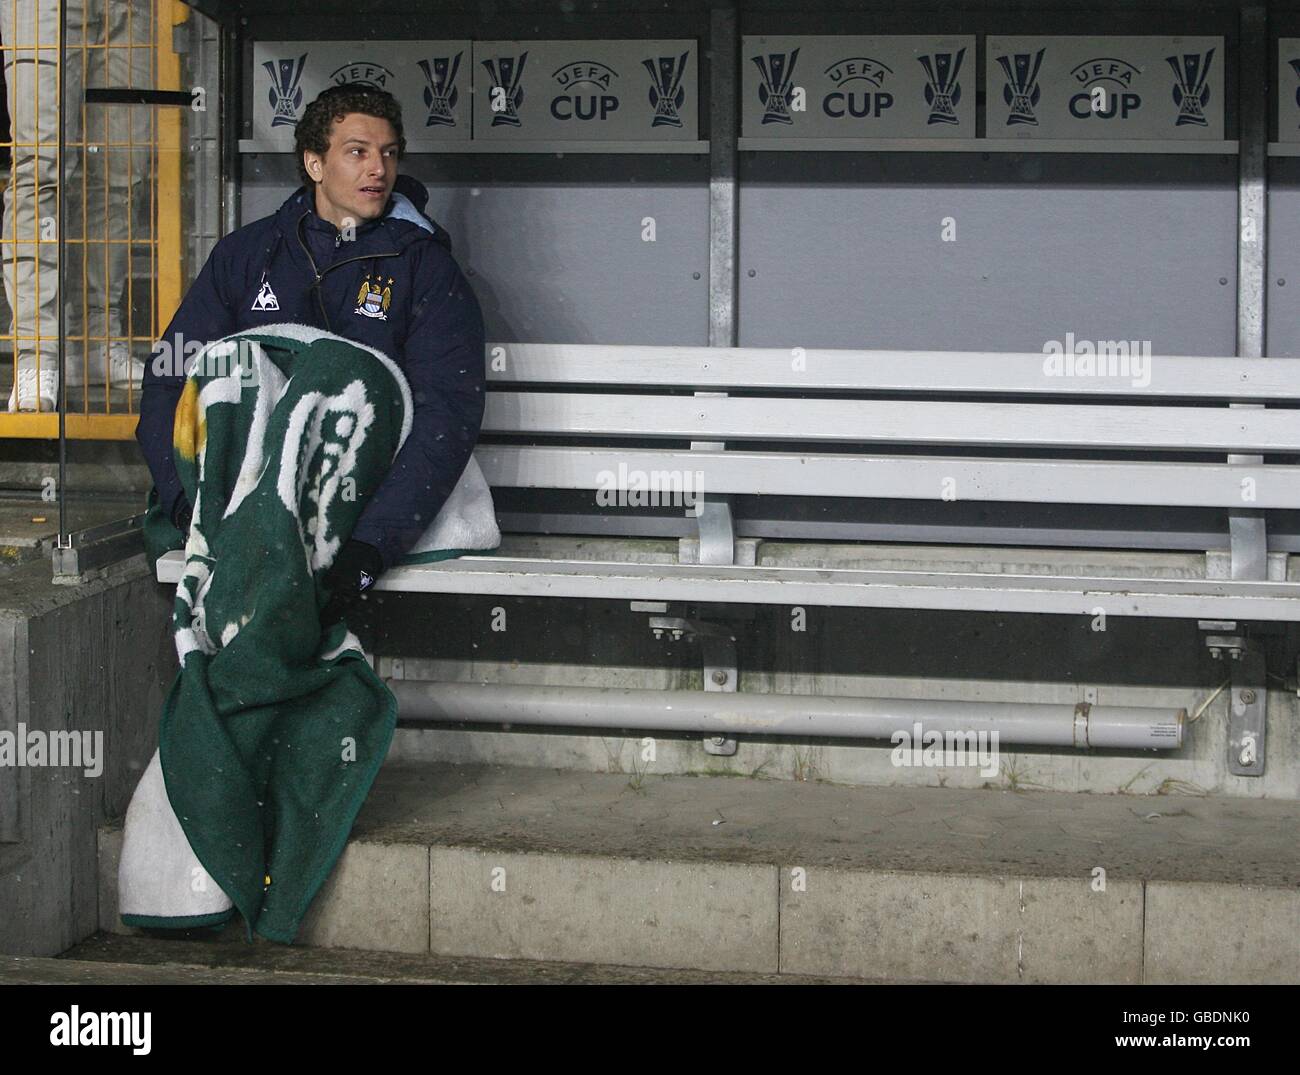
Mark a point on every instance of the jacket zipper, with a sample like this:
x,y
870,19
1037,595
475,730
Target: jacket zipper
x,y
320,299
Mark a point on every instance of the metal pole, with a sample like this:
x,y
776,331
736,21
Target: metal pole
x,y
232,108
724,48
715,524
729,714
1248,539
64,538
1252,163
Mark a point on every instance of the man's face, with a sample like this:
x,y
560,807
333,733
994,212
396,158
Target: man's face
x,y
355,177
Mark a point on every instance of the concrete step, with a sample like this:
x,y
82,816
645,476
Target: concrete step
x,y
759,877
225,959
32,970
29,525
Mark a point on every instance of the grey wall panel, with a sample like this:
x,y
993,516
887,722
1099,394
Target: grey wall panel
x,y
266,181
1282,281
845,250
1282,286
567,264
553,246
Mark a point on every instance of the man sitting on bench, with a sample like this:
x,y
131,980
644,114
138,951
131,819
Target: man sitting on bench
x,y
351,253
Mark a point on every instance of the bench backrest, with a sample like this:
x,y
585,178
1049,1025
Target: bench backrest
x,y
1119,428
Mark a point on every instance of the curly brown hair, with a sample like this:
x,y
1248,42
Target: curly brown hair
x,y
332,104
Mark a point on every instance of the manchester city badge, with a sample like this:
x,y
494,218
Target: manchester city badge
x,y
371,300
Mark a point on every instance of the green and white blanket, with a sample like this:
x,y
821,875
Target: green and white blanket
x,y
274,728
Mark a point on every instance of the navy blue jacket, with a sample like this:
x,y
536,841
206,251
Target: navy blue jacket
x,y
432,329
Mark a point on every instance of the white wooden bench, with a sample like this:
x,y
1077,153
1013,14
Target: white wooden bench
x,y
1220,436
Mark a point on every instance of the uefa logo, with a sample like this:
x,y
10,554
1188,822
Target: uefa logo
x,y
942,90
286,90
440,92
1021,90
1106,89
857,101
1191,90
587,91
363,73
776,71
505,95
666,92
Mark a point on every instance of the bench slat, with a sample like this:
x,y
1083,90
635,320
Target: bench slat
x,y
1181,376
839,587
1012,425
1154,484
844,587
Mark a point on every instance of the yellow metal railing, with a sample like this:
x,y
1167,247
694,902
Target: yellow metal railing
x,y
122,207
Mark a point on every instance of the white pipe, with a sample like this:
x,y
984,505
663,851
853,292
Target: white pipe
x,y
729,714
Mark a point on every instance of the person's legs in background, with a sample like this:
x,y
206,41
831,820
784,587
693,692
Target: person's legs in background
x,y
99,210
30,250
116,163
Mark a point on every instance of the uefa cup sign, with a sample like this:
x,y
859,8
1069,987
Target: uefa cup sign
x,y
285,94
1191,90
942,90
505,95
1021,90
777,72
440,92
666,91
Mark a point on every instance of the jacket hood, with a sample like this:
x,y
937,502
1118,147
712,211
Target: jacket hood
x,y
291,211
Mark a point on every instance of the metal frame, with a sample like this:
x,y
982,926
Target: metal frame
x,y
1248,537
749,527
232,94
1248,698
208,188
983,145
83,551
1247,715
715,526
718,649
549,148
501,576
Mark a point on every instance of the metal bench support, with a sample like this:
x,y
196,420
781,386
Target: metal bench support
x,y
717,530
1246,716
718,645
1247,705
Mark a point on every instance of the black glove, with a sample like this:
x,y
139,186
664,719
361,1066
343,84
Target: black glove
x,y
356,568
181,514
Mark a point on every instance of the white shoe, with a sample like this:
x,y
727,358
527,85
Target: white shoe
x,y
30,385
123,367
